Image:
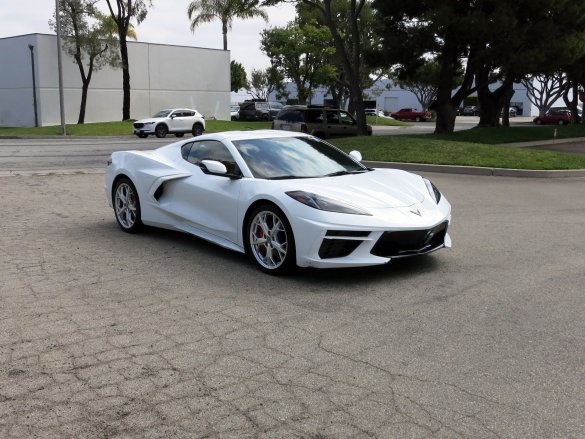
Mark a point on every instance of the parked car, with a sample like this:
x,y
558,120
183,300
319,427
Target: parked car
x,y
560,117
320,121
259,110
284,199
470,110
175,121
235,112
411,114
374,112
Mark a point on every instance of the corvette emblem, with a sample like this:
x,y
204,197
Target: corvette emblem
x,y
416,212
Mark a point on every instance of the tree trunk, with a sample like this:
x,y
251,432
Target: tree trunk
x,y
82,106
224,30
572,102
446,115
125,77
492,103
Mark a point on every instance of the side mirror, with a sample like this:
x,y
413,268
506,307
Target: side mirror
x,y
356,155
214,167
172,116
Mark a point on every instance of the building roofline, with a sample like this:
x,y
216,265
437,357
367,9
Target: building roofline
x,y
129,42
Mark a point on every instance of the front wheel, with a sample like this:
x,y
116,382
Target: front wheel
x,y
127,206
417,119
161,131
538,121
270,241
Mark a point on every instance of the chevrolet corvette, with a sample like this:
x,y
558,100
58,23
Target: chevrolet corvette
x,y
285,199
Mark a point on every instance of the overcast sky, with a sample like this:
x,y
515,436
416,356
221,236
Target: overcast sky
x,y
166,23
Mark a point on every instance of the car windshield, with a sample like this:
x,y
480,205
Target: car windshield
x,y
163,113
295,157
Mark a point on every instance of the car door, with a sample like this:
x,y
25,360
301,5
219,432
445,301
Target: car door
x,y
348,124
176,121
207,202
334,127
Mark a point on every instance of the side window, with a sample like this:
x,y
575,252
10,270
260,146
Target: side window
x,y
186,149
188,113
332,116
212,150
346,118
291,116
314,116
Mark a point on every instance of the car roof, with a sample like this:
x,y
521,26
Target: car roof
x,y
250,134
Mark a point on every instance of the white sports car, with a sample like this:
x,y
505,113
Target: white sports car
x,y
286,199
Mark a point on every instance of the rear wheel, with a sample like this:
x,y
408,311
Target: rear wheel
x,y
562,122
538,121
197,130
417,119
161,131
270,241
127,206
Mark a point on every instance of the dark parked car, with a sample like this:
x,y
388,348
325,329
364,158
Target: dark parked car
x,y
317,120
470,110
259,110
560,117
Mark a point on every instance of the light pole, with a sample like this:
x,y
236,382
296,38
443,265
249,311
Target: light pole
x,y
32,62
60,67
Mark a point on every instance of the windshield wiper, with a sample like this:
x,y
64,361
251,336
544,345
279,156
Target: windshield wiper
x,y
287,177
338,173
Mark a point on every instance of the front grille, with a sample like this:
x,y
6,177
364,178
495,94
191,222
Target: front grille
x,y
410,242
337,248
138,125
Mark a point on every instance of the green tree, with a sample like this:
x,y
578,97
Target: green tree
x,y
264,82
347,23
122,12
238,76
423,83
205,11
301,53
87,37
495,40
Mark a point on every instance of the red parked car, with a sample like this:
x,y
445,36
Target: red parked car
x,y
411,114
560,117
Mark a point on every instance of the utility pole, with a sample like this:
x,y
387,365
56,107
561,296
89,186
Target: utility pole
x,y
60,68
34,84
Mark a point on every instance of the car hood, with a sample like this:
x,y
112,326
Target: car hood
x,y
378,189
150,119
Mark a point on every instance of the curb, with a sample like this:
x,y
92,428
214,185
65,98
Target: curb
x,y
472,170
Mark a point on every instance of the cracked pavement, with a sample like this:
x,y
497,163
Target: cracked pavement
x,y
162,335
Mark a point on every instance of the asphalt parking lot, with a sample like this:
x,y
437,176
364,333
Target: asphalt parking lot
x,y
105,334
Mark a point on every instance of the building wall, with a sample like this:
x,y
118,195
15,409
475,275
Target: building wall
x,y
161,76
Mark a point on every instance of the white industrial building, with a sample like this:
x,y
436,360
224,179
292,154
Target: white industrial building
x,y
161,76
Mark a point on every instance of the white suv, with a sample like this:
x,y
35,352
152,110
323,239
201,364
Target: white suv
x,y
177,121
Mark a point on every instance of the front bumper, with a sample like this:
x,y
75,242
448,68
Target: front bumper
x,y
375,241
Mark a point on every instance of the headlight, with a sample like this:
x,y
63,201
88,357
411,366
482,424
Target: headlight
x,y
323,203
433,191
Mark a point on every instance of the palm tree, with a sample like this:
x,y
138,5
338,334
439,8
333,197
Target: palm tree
x,y
205,11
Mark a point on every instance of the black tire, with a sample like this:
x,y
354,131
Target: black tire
x,y
562,122
265,117
417,119
197,130
142,135
127,206
276,254
538,121
161,131
179,134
